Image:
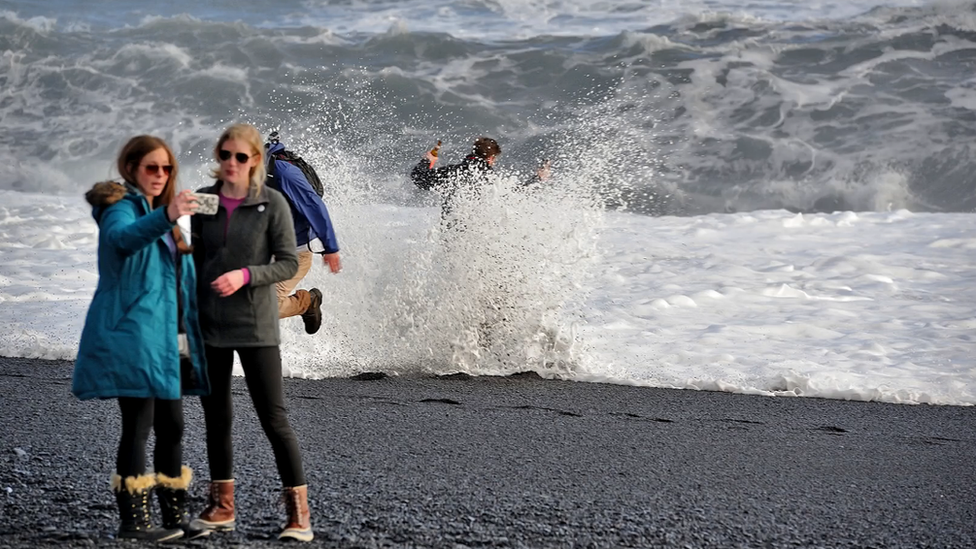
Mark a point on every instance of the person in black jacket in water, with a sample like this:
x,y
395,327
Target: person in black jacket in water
x,y
471,173
467,179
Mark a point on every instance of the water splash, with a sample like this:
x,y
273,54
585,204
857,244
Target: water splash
x,y
495,288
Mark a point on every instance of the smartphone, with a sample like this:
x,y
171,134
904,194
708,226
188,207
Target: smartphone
x,y
206,203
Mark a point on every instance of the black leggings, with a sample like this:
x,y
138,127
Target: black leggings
x,y
139,416
262,373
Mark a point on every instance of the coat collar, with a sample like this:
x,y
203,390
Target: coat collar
x,y
477,162
256,194
135,194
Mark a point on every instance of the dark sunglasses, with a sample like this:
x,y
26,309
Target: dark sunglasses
x,y
154,169
242,158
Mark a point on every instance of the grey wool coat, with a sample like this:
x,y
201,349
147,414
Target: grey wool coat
x,y
260,229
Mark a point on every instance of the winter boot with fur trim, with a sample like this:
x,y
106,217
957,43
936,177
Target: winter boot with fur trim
x,y
172,501
219,514
132,497
299,525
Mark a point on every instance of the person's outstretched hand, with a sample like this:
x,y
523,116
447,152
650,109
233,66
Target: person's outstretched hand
x,y
544,171
332,260
182,204
228,283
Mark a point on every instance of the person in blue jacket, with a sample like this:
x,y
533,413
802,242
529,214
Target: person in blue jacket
x,y
142,343
312,221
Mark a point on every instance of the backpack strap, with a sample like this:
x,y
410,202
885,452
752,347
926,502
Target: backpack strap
x,y
273,182
272,178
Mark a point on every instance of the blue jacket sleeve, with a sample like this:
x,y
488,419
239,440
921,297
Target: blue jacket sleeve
x,y
129,233
307,203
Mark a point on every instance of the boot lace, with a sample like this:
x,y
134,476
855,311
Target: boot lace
x,y
292,505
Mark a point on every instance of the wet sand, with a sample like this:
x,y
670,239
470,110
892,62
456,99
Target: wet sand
x,y
521,462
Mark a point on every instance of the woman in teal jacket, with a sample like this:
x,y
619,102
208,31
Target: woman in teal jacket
x,y
141,343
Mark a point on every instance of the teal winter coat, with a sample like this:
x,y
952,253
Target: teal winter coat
x,y
129,345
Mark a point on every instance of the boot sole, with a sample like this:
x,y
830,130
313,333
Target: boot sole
x,y
206,528
175,536
171,537
199,534
297,535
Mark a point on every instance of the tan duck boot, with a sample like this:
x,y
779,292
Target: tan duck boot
x,y
299,525
219,513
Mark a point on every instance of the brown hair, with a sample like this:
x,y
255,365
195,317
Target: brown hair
x,y
486,147
250,135
128,162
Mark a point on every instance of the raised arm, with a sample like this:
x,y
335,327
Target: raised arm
x,y
124,230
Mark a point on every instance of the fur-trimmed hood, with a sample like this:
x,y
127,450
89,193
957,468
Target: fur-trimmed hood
x,y
106,193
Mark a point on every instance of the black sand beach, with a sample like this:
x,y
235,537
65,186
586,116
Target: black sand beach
x,y
522,462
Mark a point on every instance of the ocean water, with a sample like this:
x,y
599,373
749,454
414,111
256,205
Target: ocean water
x,y
773,197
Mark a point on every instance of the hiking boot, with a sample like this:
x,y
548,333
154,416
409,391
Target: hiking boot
x,y
219,513
171,493
313,315
299,525
132,497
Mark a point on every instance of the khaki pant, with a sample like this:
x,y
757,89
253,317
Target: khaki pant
x,y
295,304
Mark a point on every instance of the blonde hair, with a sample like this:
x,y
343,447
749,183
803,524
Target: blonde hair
x,y
250,135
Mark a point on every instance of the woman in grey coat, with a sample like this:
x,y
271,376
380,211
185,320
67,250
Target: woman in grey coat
x,y
240,253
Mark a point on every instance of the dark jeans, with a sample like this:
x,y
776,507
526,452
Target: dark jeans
x,y
139,416
262,373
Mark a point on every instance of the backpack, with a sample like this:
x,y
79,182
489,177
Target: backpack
x,y
292,158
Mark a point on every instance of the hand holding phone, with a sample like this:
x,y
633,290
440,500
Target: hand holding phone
x,y
206,203
182,204
431,155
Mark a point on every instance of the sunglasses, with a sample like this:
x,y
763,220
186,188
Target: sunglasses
x,y
224,155
154,169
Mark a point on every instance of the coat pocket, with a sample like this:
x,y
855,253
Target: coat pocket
x,y
265,306
124,310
